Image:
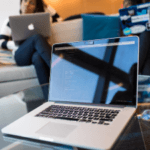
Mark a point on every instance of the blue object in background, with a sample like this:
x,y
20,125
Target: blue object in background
x,y
143,92
146,115
134,17
144,11
100,26
127,31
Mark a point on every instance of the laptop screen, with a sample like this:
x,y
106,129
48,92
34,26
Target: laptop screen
x,y
98,72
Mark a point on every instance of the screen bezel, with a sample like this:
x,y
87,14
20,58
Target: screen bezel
x,y
57,45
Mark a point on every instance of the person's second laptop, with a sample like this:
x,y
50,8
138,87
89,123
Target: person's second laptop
x,y
135,19
92,95
24,26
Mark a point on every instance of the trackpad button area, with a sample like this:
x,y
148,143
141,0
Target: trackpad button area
x,y
56,129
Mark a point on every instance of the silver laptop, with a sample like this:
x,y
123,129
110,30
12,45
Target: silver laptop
x,y
92,95
24,26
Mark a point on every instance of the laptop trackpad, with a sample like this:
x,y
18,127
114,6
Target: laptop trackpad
x,y
56,129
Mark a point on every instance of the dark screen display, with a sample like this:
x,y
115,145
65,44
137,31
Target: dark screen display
x,y
99,71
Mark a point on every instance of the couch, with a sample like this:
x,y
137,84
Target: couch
x,y
14,78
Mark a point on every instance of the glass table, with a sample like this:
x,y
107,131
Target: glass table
x,y
135,135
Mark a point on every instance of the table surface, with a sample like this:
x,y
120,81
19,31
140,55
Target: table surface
x,y
135,135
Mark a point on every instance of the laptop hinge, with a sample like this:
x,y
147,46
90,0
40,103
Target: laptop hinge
x,y
89,104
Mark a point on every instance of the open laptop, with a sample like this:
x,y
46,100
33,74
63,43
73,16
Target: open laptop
x,y
135,19
24,26
92,95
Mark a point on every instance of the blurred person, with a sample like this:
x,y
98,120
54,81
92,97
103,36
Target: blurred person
x,y
34,50
53,13
144,44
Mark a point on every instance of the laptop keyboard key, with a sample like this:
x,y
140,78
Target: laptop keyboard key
x,y
100,122
94,122
88,121
106,123
82,120
96,118
65,118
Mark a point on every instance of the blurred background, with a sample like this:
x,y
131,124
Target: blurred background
x,y
64,8
68,8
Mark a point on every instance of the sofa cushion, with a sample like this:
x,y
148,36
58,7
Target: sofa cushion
x,y
7,88
16,73
68,31
100,26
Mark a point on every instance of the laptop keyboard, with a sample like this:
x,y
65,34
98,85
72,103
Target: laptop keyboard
x,y
81,114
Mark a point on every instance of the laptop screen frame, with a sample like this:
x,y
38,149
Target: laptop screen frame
x,y
57,45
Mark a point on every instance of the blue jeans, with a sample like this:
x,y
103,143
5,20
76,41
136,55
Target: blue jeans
x,y
35,50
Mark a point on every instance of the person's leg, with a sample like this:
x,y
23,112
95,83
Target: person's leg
x,y
41,68
42,71
27,53
23,55
43,48
144,53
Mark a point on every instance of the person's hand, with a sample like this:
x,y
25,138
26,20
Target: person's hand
x,y
48,40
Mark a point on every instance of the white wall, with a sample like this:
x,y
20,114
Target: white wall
x,y
8,8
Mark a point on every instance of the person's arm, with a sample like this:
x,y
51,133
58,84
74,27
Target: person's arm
x,y
5,36
55,16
